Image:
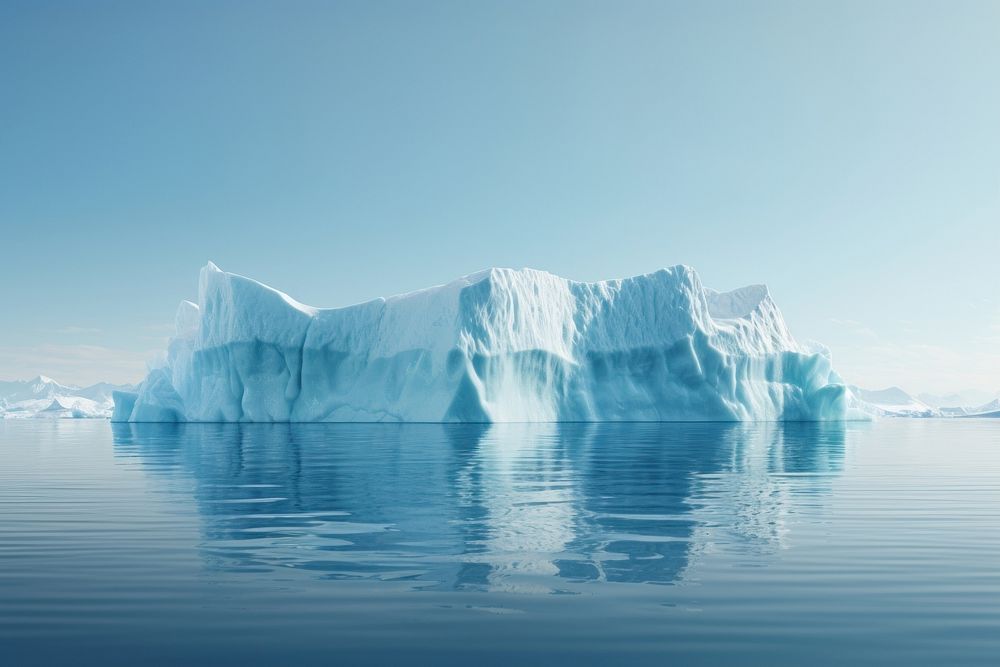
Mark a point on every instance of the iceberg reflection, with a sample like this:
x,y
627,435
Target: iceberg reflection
x,y
509,507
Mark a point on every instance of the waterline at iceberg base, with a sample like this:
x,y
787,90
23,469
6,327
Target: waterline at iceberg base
x,y
500,345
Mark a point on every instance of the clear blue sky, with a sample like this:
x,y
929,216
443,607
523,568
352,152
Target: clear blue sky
x,y
845,153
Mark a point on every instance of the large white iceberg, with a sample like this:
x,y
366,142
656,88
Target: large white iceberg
x,y
496,346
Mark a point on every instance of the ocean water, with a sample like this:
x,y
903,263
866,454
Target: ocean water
x,y
576,544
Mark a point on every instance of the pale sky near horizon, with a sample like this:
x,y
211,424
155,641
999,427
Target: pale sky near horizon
x,y
845,153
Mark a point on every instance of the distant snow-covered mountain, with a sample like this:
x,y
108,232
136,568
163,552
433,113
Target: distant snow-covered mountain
x,y
896,402
893,402
991,406
989,409
43,397
969,397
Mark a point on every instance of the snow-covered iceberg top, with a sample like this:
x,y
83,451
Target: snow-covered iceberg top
x,y
498,345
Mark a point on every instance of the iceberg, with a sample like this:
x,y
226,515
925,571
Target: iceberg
x,y
501,345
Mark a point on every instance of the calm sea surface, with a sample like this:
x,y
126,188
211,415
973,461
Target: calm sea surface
x,y
691,544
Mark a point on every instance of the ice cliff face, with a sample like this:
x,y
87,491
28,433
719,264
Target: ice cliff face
x,y
499,345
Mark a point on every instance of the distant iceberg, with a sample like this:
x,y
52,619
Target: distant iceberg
x,y
892,402
896,402
501,345
43,397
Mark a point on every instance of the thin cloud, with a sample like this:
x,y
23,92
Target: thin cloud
x,y
74,364
854,327
75,330
919,367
